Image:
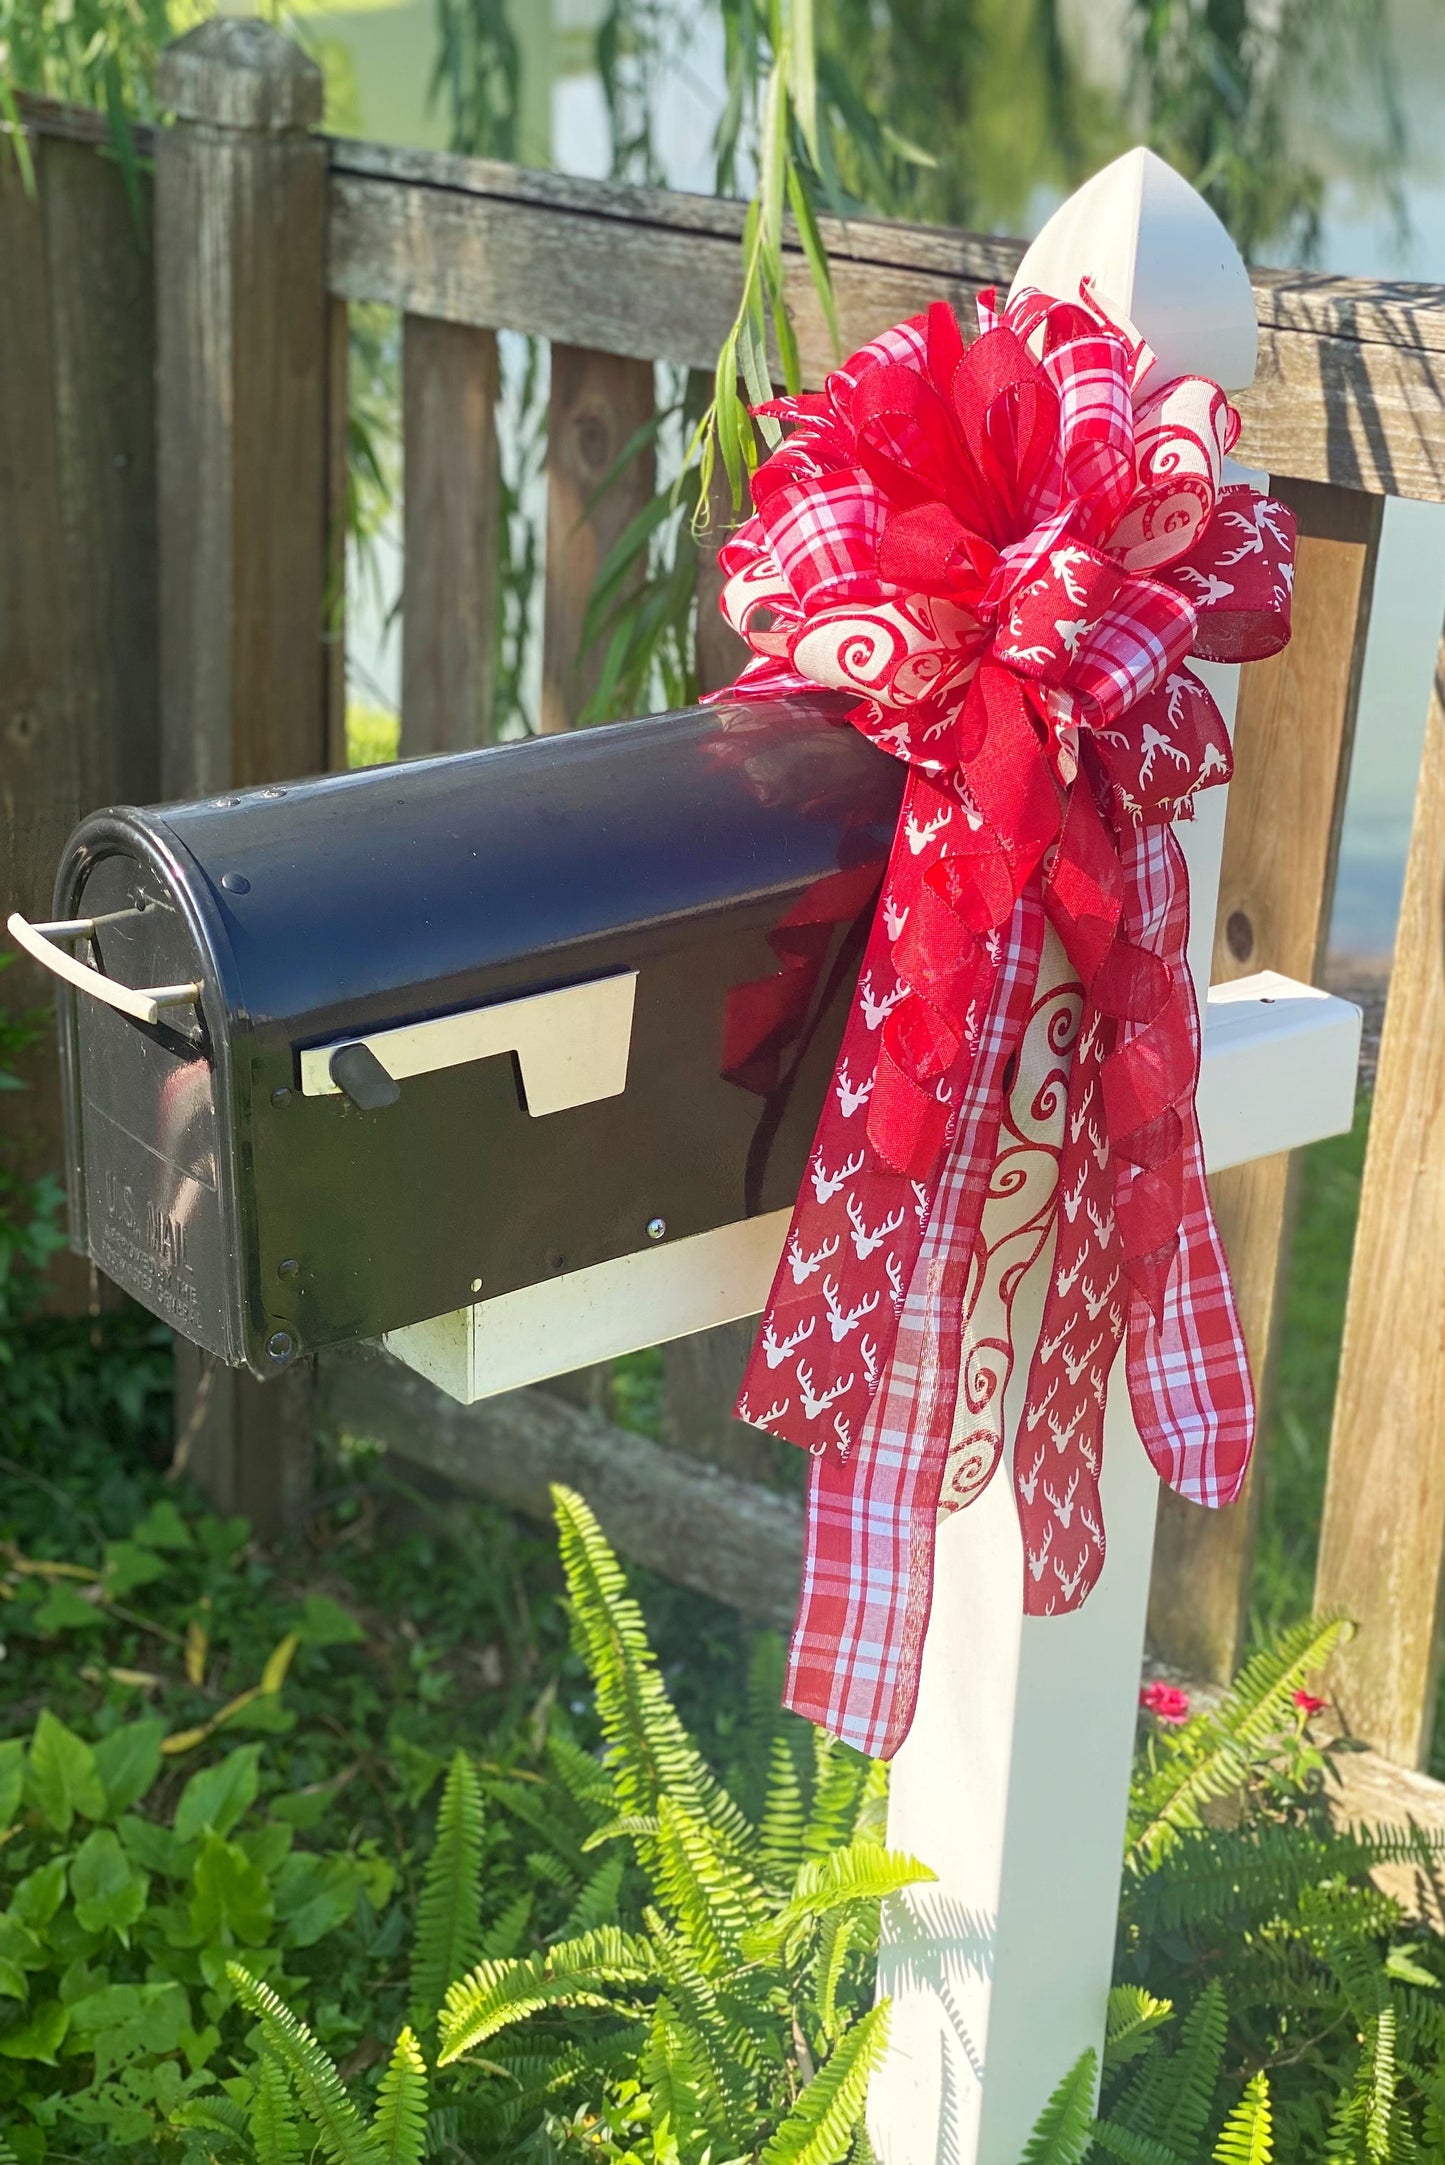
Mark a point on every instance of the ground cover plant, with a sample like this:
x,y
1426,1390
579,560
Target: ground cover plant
x,y
305,1928
403,1843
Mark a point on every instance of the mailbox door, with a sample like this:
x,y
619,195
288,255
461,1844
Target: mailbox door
x,y
148,1172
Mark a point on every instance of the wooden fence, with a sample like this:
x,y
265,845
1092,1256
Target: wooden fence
x,y
169,572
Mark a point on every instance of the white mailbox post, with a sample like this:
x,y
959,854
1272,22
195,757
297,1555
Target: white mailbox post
x,y
1013,1783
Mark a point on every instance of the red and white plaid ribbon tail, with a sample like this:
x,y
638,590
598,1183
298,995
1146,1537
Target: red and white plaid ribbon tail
x,y
872,1518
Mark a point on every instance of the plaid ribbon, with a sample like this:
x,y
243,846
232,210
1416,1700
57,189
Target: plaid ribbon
x,y
1007,553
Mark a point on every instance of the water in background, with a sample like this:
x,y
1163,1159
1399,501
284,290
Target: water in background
x,y
564,123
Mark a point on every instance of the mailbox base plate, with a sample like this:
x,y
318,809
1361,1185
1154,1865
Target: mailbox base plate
x,y
567,1322
683,1286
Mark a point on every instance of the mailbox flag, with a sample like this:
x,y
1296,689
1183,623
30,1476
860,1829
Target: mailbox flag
x,y
1008,552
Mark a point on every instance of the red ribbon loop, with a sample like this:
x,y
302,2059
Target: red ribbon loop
x,y
1007,552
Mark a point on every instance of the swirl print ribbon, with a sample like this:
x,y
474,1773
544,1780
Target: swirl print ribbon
x,y
1008,552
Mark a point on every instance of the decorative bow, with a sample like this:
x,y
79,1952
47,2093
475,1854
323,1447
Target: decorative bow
x,y
1008,552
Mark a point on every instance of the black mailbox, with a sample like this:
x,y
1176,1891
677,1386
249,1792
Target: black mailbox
x,y
281,1011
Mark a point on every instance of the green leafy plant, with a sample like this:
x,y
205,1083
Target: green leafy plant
x,y
706,1994
130,1880
1314,2003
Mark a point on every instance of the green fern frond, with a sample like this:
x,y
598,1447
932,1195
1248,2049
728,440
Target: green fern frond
x,y
399,2123
835,1942
1194,2070
1170,2097
651,1754
780,1831
1061,2131
1347,2124
1214,1874
448,1917
271,2118
343,2135
1120,2142
692,2097
584,1778
860,1873
870,1821
546,1867
1134,2017
716,1902
535,1805
764,1725
1211,1756
1380,2108
1247,2136
507,1931
820,2127
635,1826
598,1901
211,2113
7,2155
666,2069
575,1973
840,1777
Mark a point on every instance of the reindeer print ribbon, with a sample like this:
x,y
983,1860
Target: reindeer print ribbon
x,y
1008,552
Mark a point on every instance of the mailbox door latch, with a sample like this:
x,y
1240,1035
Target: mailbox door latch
x,y
571,1045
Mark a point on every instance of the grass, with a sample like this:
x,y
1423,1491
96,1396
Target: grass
x,y
1296,1437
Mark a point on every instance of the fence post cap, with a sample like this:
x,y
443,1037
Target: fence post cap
x,y
236,71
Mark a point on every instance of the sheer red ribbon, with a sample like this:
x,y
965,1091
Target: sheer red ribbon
x,y
1008,552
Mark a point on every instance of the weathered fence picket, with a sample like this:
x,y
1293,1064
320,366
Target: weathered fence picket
x,y
77,560
599,402
263,233
451,484
1382,1543
1293,739
245,490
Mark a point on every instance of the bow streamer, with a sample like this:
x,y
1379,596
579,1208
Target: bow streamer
x,y
1007,552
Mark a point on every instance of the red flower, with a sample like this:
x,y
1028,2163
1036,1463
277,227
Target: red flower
x,y
1308,1704
1166,1702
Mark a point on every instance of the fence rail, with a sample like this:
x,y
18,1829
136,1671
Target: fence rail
x,y
262,234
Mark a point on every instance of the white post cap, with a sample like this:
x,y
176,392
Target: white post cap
x,y
1155,250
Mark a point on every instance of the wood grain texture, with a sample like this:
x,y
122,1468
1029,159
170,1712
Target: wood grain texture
x,y
736,1542
338,416
247,1445
1350,374
242,382
77,569
1293,737
597,404
1382,1543
452,506
246,492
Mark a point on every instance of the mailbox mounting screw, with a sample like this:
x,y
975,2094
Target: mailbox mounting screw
x,y
282,1096
235,883
273,791
280,1345
287,1267
224,804
476,1285
656,1228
